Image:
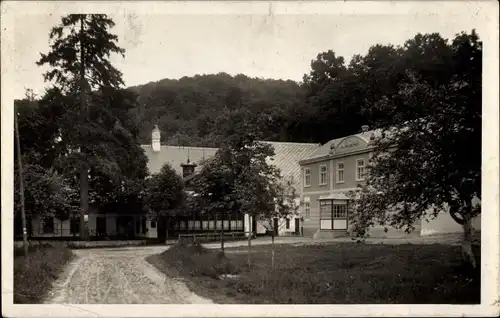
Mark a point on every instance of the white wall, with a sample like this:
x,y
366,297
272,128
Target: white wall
x,y
247,224
283,231
444,223
263,226
152,232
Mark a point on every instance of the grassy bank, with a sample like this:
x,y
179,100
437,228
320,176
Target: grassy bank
x,y
33,277
342,273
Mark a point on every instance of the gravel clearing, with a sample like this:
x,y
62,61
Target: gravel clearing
x,y
119,276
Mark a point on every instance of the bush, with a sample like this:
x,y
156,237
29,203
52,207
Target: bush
x,y
196,260
34,276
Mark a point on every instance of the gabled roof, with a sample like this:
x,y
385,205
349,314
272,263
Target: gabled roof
x,y
286,158
326,149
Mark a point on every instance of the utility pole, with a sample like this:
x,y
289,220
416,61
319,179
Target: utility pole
x,y
21,185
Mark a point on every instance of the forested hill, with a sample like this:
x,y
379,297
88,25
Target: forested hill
x,y
335,99
189,110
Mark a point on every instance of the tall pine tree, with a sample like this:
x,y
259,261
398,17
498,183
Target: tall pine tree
x,y
88,87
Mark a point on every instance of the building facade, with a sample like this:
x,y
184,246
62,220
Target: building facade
x,y
99,225
187,161
338,167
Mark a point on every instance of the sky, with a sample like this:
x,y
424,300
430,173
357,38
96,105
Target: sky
x,y
278,46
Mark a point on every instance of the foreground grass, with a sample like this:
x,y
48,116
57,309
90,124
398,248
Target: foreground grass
x,y
33,277
342,273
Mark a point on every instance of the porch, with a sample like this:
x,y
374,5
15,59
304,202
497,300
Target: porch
x,y
333,214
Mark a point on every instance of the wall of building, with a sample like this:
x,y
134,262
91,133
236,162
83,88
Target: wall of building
x,y
152,232
311,224
61,228
314,168
284,231
350,171
110,223
348,152
444,223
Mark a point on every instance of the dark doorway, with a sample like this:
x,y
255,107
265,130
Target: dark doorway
x,y
101,225
125,226
297,226
162,228
254,225
275,226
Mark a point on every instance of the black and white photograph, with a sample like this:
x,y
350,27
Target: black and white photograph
x,y
233,154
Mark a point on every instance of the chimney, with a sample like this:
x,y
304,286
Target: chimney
x,y
155,138
364,128
187,168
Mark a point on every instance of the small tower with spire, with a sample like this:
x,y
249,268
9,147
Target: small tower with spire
x,y
188,167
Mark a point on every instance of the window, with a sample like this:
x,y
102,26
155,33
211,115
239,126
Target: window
x,y
339,211
333,216
307,208
239,225
360,169
322,175
307,177
48,225
287,223
153,224
340,172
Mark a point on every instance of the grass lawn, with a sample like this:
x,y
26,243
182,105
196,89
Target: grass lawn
x,y
341,273
33,279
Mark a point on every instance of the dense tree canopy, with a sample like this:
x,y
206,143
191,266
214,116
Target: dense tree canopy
x,y
165,191
238,179
335,98
47,193
189,110
429,159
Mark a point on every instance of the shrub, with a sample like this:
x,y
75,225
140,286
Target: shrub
x,y
196,260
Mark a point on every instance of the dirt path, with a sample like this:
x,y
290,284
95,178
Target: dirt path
x,y
119,276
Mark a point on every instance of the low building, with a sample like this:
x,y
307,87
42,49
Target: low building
x,y
110,225
335,169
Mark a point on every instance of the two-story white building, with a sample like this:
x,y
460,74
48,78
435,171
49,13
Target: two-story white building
x,y
338,167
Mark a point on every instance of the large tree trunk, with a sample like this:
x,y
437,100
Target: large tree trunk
x,y
84,182
462,215
467,253
84,200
